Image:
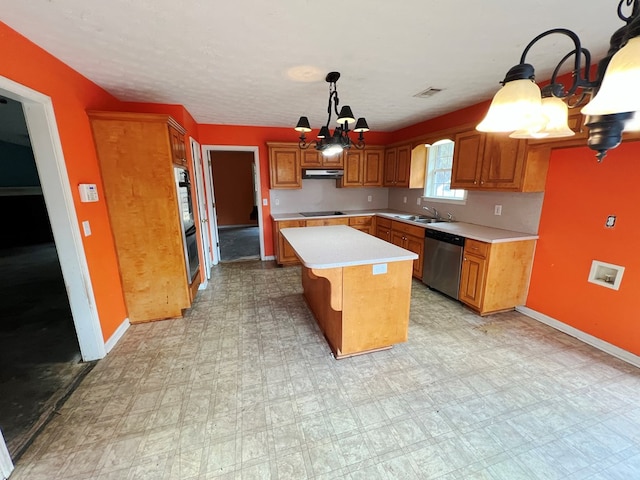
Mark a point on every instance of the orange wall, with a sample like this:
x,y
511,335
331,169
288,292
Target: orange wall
x,y
580,194
233,183
72,94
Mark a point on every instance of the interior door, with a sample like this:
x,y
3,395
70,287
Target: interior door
x,y
205,234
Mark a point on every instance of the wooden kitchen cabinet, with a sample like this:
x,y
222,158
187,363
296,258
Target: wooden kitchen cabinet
x,y
284,166
402,168
137,154
323,222
411,238
383,228
284,253
363,168
495,276
496,162
312,158
364,224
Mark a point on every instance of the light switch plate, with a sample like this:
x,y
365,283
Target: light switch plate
x,y
86,228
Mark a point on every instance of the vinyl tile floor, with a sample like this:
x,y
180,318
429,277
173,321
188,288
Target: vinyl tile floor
x,y
245,387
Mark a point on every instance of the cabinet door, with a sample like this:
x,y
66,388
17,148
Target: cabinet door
x,y
334,161
503,162
373,168
467,160
416,245
178,149
285,255
353,173
383,233
311,158
472,279
397,238
390,167
284,167
403,169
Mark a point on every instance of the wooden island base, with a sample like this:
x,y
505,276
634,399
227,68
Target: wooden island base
x,y
359,311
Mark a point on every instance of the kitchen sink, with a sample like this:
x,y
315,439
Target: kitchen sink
x,y
418,218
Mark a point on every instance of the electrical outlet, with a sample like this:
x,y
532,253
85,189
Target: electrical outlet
x,y
497,210
418,201
404,199
277,201
265,202
369,198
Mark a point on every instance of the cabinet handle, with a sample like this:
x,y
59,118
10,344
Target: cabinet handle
x,y
475,182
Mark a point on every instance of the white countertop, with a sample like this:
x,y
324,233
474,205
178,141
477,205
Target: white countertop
x,y
467,230
341,246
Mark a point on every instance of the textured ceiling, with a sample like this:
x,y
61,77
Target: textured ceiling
x,y
230,62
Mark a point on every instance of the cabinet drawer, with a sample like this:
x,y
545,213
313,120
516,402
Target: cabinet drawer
x,y
321,222
477,248
290,223
383,222
408,229
360,220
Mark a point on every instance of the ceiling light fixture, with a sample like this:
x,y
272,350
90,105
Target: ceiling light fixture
x,y
332,144
521,108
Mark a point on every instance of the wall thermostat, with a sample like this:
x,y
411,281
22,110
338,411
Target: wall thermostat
x,y
88,192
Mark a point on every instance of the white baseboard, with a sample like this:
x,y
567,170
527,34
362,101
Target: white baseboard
x,y
6,465
203,285
270,257
117,335
582,336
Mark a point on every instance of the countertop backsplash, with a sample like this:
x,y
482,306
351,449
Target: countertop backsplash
x,y
320,195
520,211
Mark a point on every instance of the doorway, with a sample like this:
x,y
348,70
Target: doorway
x,y
63,251
235,181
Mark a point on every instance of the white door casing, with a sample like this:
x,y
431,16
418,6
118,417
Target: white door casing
x,y
6,465
205,233
207,149
56,189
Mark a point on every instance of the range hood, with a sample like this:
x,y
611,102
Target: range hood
x,y
314,173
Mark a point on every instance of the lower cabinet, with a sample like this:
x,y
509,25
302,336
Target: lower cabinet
x,y
495,276
410,238
364,224
383,228
284,253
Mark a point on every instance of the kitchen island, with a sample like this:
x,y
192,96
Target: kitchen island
x,y
357,286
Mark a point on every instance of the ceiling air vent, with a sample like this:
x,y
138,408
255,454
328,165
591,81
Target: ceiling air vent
x,y
429,92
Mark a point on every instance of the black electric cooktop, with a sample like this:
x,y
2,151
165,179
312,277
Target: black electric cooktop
x,y
320,214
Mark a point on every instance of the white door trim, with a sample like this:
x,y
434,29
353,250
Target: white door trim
x,y
205,233
6,465
56,189
256,158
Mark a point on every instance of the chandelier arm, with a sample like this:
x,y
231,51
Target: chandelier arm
x,y
578,52
634,11
585,83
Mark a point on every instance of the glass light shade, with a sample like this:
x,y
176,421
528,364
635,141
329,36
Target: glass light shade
x,y
332,150
346,115
516,106
555,114
633,125
620,90
303,125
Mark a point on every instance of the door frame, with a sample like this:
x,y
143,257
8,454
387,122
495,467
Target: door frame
x,y
205,233
56,190
207,149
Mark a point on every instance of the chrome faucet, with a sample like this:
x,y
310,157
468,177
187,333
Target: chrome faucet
x,y
449,217
433,210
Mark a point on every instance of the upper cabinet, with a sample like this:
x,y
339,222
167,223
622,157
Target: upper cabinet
x,y
402,168
284,165
496,162
312,158
363,168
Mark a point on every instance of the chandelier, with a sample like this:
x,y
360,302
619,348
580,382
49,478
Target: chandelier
x,y
520,107
328,143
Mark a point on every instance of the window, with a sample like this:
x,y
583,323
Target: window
x,y
438,177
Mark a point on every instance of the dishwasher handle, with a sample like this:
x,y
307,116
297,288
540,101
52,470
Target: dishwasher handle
x,y
444,237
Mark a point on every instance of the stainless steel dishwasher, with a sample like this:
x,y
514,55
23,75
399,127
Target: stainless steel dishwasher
x,y
442,261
